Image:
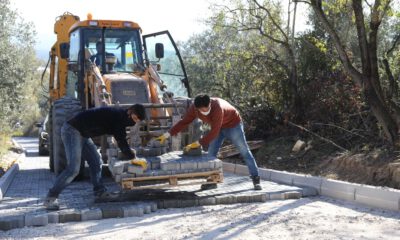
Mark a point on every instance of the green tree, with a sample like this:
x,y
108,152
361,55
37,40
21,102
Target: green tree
x,y
18,69
362,65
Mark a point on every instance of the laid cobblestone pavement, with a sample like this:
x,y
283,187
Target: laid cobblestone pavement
x,y
30,185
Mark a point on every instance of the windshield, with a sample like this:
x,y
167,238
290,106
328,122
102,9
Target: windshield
x,y
172,71
123,46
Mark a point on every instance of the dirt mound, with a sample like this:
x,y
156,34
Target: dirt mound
x,y
365,168
378,166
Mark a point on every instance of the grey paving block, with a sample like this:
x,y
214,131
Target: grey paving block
x,y
170,203
120,154
118,178
186,165
292,195
53,217
155,165
114,211
112,152
205,164
69,215
242,198
153,206
189,203
11,222
378,197
91,214
146,208
276,196
119,167
127,175
160,204
153,151
135,169
308,191
262,197
36,219
132,211
170,165
227,199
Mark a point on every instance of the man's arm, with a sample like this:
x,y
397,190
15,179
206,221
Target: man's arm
x,y
123,145
184,122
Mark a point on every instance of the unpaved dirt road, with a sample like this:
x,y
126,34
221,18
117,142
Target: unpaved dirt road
x,y
307,218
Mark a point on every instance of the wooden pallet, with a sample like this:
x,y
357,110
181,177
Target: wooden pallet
x,y
231,150
184,179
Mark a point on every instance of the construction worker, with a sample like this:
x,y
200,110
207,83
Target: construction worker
x,y
225,122
76,136
97,58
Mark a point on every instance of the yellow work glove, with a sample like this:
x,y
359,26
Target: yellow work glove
x,y
192,146
163,137
140,162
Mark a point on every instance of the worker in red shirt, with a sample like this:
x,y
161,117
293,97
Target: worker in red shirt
x,y
225,122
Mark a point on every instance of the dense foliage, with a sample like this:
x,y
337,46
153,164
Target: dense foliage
x,y
19,75
252,56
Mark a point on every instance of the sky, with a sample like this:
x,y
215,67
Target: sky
x,y
182,18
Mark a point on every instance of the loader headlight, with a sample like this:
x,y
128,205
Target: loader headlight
x,y
93,23
127,24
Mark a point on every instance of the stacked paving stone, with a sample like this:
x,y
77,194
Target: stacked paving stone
x,y
170,163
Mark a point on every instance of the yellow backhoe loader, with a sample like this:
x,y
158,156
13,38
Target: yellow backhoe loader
x,y
135,68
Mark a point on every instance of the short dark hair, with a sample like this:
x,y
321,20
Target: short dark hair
x,y
201,100
138,110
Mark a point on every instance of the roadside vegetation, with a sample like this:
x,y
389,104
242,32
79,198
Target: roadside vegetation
x,y
335,86
19,78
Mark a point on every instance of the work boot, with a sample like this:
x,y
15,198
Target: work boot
x,y
51,203
208,186
256,182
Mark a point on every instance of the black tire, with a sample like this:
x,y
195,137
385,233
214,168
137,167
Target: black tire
x,y
62,110
50,128
43,151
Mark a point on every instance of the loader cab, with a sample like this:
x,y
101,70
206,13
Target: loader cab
x,y
126,51
122,48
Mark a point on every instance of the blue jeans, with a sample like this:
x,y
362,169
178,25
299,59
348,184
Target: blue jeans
x,y
77,148
237,137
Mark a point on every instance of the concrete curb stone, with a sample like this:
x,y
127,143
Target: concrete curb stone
x,y
382,197
69,215
91,214
11,222
7,178
36,220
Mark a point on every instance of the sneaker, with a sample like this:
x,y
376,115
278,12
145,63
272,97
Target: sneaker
x,y
106,197
51,203
256,182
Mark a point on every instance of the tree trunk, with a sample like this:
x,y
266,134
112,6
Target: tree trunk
x,y
369,77
380,111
